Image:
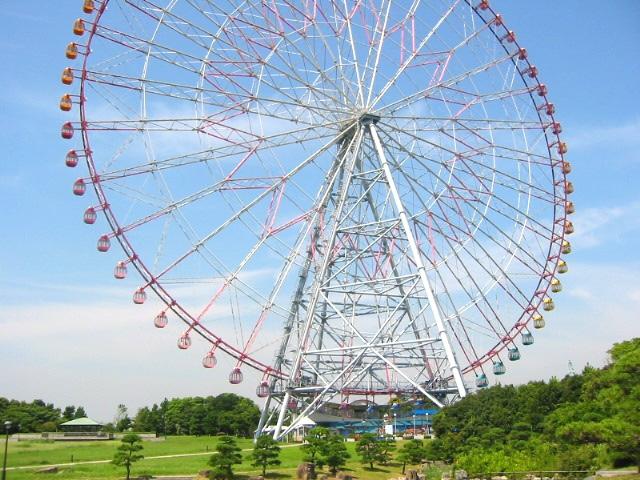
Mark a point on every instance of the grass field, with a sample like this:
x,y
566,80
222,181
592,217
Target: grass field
x,y
198,450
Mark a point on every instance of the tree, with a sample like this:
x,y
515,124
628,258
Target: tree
x,y
80,413
69,413
387,446
315,445
368,448
122,421
126,454
227,455
412,452
335,454
265,452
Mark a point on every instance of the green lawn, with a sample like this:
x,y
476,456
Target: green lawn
x,y
49,453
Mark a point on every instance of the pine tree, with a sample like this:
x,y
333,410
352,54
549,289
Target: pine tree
x,y
315,445
228,454
412,452
266,452
368,448
126,454
335,453
387,446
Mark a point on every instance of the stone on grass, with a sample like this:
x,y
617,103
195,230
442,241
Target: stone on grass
x,y
306,471
48,470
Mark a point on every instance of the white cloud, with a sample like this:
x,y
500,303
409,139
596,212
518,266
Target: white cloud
x,y
104,353
612,137
598,307
599,225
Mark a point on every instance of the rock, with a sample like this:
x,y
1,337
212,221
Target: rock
x,y
306,471
461,475
446,475
48,470
203,475
412,475
344,476
324,476
258,477
500,477
421,476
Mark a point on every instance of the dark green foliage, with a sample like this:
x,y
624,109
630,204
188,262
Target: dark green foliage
x,y
315,445
369,449
265,452
69,413
581,457
126,454
122,421
228,454
325,448
608,412
335,454
36,416
581,422
227,413
412,452
80,413
387,446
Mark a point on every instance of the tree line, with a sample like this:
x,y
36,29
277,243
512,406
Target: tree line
x,y
36,416
581,422
226,413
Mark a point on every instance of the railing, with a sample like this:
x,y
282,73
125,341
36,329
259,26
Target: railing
x,y
534,473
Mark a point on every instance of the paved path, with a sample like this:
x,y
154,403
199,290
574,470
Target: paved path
x,y
90,462
615,473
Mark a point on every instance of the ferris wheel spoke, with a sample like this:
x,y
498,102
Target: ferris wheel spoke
x,y
354,55
402,103
311,219
194,94
293,52
490,237
225,152
444,219
516,184
245,208
411,58
373,55
315,68
162,53
470,203
380,44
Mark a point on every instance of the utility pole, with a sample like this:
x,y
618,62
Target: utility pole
x,y
7,427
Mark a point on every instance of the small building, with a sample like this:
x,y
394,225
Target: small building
x,y
80,427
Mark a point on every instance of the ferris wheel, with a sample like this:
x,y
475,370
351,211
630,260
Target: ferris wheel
x,y
356,200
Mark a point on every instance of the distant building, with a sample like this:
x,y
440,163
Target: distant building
x,y
81,426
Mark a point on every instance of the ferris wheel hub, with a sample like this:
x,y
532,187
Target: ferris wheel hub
x,y
369,119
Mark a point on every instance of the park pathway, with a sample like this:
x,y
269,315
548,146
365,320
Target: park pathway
x,y
90,462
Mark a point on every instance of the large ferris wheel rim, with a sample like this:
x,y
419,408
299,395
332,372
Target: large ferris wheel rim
x,y
557,231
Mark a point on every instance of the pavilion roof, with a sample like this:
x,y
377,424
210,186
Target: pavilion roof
x,y
81,422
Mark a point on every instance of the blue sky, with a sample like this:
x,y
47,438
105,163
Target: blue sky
x,y
70,333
